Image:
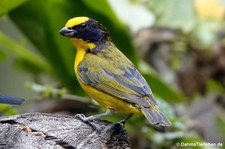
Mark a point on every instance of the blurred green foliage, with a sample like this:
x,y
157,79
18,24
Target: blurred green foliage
x,y
220,123
7,110
191,18
6,5
179,13
26,57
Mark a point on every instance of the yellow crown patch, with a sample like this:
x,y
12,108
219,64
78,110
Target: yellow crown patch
x,y
76,21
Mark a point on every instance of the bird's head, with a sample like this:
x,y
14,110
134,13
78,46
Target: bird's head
x,y
84,30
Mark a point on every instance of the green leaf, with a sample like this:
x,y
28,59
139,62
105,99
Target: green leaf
x,y
42,28
3,55
7,5
107,11
20,52
214,86
7,110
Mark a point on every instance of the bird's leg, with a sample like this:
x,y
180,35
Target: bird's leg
x,y
126,119
93,117
83,118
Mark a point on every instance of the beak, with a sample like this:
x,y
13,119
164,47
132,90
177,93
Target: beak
x,y
65,31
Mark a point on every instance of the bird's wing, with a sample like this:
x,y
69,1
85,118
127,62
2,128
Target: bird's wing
x,y
124,82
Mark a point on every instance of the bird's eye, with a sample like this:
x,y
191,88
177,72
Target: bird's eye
x,y
83,26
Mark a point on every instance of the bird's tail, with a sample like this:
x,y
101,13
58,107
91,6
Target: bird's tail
x,y
155,117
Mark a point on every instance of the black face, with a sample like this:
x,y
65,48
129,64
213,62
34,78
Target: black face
x,y
90,31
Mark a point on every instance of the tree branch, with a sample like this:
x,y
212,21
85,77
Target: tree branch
x,y
40,130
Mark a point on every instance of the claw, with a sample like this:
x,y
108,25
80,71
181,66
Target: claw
x,y
89,120
81,117
95,126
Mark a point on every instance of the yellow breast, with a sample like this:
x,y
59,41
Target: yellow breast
x,y
81,46
102,98
79,56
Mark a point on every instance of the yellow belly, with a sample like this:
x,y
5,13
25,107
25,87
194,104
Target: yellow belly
x,y
109,101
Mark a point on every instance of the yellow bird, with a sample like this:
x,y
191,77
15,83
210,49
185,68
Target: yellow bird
x,y
107,75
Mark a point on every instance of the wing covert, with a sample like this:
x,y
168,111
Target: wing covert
x,y
125,83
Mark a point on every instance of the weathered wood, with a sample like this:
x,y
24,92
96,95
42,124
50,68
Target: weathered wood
x,y
48,131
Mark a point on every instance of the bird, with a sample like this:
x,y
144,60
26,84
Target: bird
x,y
10,100
107,75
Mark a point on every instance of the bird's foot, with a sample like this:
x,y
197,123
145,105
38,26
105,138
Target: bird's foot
x,y
81,117
88,121
115,129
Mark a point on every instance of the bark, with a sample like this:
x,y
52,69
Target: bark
x,y
48,131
